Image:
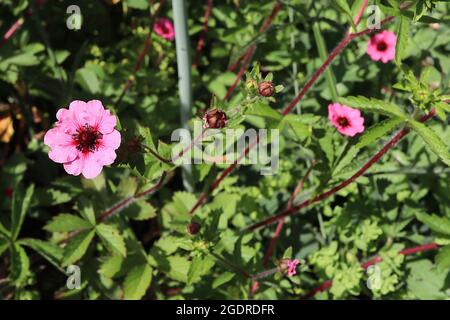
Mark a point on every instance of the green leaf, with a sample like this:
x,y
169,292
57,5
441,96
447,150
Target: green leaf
x,y
345,8
201,265
5,233
87,211
112,238
402,40
4,244
222,279
137,282
20,265
437,224
323,53
140,210
77,247
443,258
111,266
432,140
20,204
66,223
88,79
378,131
48,250
373,105
425,281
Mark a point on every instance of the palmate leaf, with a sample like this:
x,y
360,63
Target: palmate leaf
x,y
432,140
374,105
111,238
20,204
77,247
67,223
137,282
378,131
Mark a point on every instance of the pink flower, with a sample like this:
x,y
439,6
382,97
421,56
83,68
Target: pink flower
x,y
382,46
164,28
348,121
84,138
292,265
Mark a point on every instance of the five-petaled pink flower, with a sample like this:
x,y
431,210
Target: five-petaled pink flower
x,y
382,46
164,28
84,138
292,265
348,121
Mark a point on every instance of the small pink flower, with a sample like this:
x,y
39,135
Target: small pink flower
x,y
348,121
84,138
292,265
164,28
382,46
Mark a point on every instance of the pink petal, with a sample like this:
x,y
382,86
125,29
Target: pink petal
x,y
75,167
91,167
111,140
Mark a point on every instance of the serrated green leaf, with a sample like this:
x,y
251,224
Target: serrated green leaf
x,y
20,265
76,248
20,204
112,238
378,131
443,258
66,223
137,282
437,224
140,210
111,266
48,250
402,39
374,105
432,140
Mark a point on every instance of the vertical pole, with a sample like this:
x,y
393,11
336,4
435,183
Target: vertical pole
x,y
184,75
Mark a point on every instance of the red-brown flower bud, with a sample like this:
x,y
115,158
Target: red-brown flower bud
x,y
266,89
215,119
193,228
8,192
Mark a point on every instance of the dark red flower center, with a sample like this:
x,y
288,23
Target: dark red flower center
x,y
87,138
382,46
343,122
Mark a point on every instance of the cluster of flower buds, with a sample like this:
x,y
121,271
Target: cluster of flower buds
x,y
288,266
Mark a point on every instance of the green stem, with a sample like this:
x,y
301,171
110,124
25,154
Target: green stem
x,y
184,75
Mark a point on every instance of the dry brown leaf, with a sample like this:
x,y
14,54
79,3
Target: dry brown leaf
x,y
6,129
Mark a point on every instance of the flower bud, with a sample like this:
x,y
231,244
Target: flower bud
x,y
8,192
193,228
266,89
215,119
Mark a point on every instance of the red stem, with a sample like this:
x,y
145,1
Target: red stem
x,y
361,12
201,39
324,195
327,284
